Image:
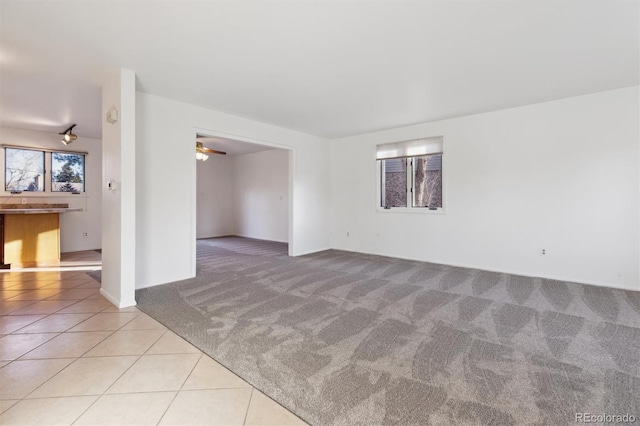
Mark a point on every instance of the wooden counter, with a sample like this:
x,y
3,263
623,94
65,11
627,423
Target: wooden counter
x,y
30,234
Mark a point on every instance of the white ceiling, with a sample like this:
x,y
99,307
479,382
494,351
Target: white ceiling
x,y
330,68
231,146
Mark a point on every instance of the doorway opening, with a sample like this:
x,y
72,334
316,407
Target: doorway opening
x,y
243,189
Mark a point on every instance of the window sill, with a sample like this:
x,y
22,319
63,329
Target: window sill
x,y
411,210
30,194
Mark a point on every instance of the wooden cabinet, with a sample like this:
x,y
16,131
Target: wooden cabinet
x,y
31,239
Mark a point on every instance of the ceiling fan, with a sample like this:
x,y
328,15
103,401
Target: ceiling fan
x,y
202,151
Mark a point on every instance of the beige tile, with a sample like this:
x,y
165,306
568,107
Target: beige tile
x,y
21,377
29,285
87,306
263,411
126,342
86,376
48,411
5,405
15,345
74,293
171,343
130,309
208,407
64,285
9,324
208,374
43,307
68,345
144,322
137,409
104,321
11,277
56,323
8,294
10,307
38,294
96,293
91,284
153,373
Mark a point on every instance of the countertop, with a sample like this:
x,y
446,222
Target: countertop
x,y
39,211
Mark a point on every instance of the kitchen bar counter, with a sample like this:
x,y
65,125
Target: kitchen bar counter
x,y
39,210
30,234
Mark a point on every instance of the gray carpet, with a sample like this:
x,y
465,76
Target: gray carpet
x,y
96,275
343,338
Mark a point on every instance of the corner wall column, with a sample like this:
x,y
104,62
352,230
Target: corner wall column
x,y
119,188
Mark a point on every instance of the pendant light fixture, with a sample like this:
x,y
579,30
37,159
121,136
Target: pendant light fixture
x,y
67,136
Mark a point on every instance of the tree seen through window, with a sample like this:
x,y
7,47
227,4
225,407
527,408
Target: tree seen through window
x,y
67,172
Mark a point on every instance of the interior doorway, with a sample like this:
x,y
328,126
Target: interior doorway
x,y
243,189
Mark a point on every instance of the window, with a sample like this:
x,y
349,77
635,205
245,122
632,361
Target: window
x,y
24,170
67,172
411,174
427,181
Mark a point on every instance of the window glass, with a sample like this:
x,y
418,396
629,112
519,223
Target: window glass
x,y
394,182
427,181
67,172
24,170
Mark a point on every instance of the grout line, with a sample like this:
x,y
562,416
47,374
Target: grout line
x,y
34,348
180,389
90,405
246,413
123,373
168,406
190,372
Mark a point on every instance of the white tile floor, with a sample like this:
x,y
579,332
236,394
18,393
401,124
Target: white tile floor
x,y
67,356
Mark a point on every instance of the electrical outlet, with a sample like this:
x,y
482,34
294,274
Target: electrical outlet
x,y
347,233
24,201
84,234
543,252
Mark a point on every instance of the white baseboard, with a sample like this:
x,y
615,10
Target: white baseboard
x,y
117,302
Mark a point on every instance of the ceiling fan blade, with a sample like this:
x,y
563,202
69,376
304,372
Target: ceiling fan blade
x,y
212,151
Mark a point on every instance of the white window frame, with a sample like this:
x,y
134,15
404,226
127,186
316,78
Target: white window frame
x,y
47,192
409,208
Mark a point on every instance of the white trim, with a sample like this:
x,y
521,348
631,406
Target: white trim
x,y
258,239
118,303
292,173
193,202
420,210
215,236
215,133
304,253
501,271
411,210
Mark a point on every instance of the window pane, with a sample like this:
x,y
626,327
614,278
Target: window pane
x,y
394,182
427,181
67,172
24,170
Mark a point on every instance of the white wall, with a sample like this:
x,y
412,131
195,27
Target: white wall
x,y
119,202
72,225
561,175
261,195
166,183
215,210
